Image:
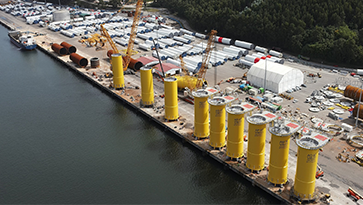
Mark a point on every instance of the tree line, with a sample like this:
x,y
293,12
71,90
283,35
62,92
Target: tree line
x,y
321,29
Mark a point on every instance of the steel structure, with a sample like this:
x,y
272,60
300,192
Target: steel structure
x,y
134,26
203,69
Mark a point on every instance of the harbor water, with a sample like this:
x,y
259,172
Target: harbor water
x,y
64,141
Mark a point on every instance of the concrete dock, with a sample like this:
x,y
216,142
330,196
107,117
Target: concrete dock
x,y
338,176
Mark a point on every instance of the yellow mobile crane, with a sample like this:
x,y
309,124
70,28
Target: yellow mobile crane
x,y
135,24
195,82
203,69
109,39
129,50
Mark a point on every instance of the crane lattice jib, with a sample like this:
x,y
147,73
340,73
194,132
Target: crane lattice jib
x,y
134,26
203,69
109,39
182,65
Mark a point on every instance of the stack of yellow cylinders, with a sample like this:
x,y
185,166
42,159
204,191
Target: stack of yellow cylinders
x,y
256,142
307,161
118,72
171,98
201,114
217,122
147,87
236,123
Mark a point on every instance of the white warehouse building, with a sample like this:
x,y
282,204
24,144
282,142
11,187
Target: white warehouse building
x,y
279,78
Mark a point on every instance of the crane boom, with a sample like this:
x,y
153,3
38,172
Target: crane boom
x,y
109,39
134,26
203,69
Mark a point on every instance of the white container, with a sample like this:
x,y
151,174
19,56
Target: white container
x,y
245,62
187,32
121,42
144,47
181,39
275,53
261,49
347,127
189,37
230,50
226,41
244,44
199,35
174,62
244,51
144,37
250,58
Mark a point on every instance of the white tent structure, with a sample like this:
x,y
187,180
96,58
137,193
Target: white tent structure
x,y
279,78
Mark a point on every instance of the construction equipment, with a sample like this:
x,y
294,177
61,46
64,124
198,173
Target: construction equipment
x,y
161,65
311,75
197,81
319,173
94,40
135,24
359,162
352,193
129,50
182,65
244,77
109,39
203,69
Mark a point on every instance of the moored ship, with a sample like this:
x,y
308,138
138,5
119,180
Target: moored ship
x,y
25,42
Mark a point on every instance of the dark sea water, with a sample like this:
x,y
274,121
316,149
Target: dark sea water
x,y
64,141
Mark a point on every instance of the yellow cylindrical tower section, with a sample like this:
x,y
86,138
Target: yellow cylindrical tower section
x,y
171,98
256,146
279,150
147,86
236,121
279,155
217,122
256,139
117,71
307,159
305,173
201,114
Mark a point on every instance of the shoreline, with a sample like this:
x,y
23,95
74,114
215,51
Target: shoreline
x,y
136,109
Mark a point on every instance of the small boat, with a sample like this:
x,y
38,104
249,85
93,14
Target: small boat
x,y
25,42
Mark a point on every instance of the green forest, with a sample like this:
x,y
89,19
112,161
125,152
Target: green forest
x,y
329,30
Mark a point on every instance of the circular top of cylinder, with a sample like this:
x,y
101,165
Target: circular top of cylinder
x,y
313,141
267,116
257,119
217,101
282,128
170,79
235,109
116,54
146,68
200,93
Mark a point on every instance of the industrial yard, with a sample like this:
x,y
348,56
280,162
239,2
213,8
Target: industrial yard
x,y
310,98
